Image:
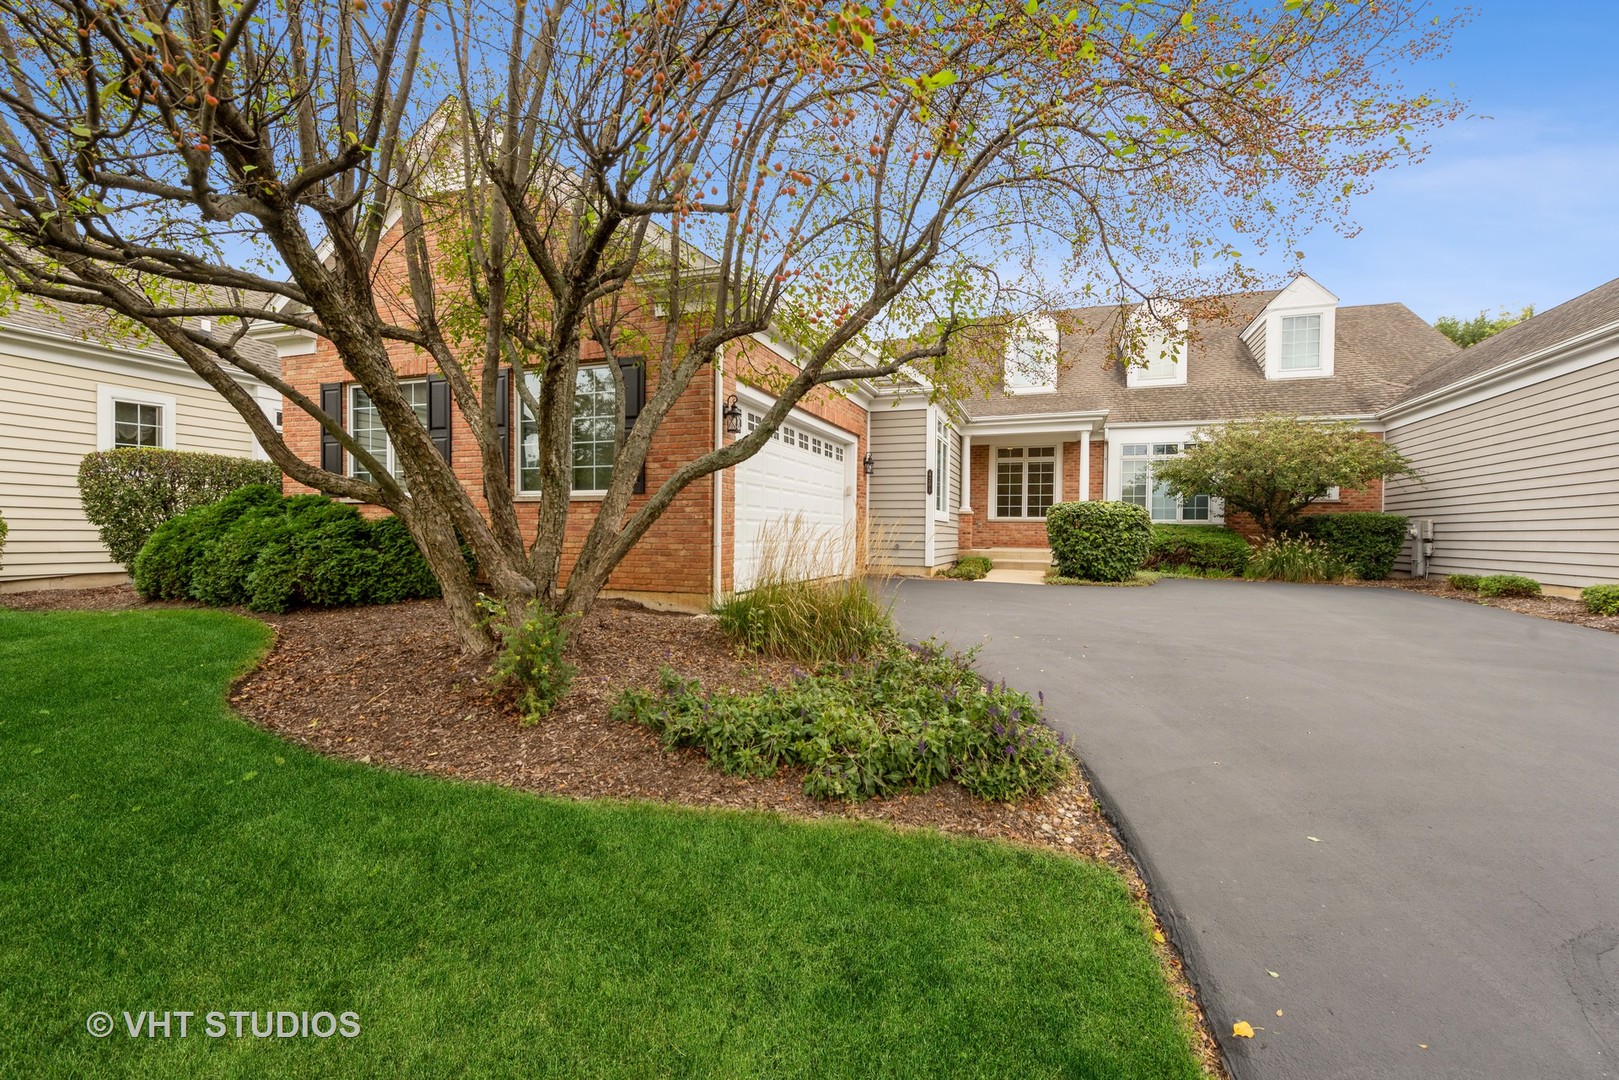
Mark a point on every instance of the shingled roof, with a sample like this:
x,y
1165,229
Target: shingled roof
x,y
1584,313
93,326
1380,349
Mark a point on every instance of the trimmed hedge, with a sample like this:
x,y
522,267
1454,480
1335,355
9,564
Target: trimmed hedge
x,y
1464,582
1098,541
1601,599
1508,585
1367,543
128,493
270,552
1198,547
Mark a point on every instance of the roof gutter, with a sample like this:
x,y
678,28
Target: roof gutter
x,y
1500,371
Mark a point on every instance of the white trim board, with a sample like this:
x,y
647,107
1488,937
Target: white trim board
x,y
1565,357
107,394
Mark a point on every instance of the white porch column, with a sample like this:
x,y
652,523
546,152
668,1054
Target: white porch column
x,y
966,474
1084,466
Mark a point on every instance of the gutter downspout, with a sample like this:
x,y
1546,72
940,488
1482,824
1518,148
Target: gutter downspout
x,y
716,578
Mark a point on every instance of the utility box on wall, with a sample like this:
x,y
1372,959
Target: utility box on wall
x,y
1420,530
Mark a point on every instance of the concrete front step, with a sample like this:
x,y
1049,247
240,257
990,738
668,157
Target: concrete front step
x,y
1037,559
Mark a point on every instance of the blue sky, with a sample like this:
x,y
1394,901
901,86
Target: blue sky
x,y
1517,204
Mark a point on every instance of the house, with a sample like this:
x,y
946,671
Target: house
x,y
74,386
926,481
716,535
1070,420
1516,441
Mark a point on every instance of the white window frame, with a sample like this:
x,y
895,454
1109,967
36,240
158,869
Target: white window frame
x,y
107,398
1118,437
1157,347
1281,342
1303,297
1152,455
940,505
1015,379
389,459
517,458
995,479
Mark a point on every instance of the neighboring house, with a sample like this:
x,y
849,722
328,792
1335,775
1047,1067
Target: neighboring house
x,y
1517,444
1071,421
72,387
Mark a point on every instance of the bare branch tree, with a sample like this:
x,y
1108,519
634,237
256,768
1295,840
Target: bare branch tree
x,y
538,187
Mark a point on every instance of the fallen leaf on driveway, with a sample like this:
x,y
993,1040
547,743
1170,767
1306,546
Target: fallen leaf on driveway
x,y
1243,1028
1316,839
1278,1012
1158,936
1273,974
1422,1046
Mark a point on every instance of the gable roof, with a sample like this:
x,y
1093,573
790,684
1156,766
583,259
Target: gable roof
x,y
1380,348
1587,312
93,326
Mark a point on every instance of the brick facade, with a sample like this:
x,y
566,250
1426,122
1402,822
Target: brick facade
x,y
673,563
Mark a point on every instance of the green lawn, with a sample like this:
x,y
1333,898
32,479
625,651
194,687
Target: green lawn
x,y
158,853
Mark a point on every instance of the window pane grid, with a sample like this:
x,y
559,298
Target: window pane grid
x,y
136,424
1139,489
1025,481
1301,342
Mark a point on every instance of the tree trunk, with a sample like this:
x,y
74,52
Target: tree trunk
x,y
437,541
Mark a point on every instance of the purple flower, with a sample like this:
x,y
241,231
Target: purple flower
x,y
1009,751
998,730
1042,696
921,746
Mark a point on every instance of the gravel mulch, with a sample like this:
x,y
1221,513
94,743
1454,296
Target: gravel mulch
x,y
388,686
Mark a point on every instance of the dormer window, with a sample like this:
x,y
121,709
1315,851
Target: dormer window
x,y
1301,343
1292,338
1031,358
1155,354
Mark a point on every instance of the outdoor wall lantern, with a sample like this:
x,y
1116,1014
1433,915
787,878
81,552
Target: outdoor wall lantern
x,y
869,465
733,416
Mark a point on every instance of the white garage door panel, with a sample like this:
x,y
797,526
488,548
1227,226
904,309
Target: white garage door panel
x,y
798,485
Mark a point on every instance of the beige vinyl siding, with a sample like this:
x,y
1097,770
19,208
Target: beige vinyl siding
x,y
945,538
899,501
48,419
1526,482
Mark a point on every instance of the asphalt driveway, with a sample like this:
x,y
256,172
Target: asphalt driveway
x,y
1405,807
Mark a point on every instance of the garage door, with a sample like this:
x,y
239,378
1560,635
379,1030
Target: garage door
x,y
794,503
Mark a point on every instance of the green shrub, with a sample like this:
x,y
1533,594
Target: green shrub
x,y
903,720
165,566
530,658
271,552
128,493
970,568
1367,543
1201,548
1098,541
1508,585
812,621
1464,582
1601,599
4,529
1294,558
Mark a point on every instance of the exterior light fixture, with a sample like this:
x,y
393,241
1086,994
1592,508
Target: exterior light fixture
x,y
868,464
733,416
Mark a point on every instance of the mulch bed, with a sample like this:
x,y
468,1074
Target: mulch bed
x,y
1556,608
388,686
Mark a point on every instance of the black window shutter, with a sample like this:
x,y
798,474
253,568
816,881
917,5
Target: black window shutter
x,y
634,397
331,403
438,413
503,415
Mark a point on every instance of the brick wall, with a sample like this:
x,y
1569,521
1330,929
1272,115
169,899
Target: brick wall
x,y
1367,498
986,532
675,558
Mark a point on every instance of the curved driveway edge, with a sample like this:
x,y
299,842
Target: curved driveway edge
x,y
1405,807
